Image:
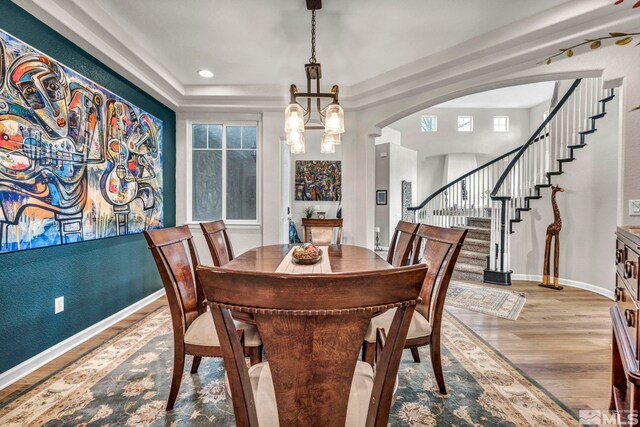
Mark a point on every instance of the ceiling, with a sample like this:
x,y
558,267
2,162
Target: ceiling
x,y
523,96
268,42
376,50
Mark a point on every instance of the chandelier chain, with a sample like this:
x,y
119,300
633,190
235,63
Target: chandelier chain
x,y
312,60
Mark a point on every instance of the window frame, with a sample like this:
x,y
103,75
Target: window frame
x,y
458,123
190,149
507,127
435,123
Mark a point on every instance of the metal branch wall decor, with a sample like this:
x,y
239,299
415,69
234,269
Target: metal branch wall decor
x,y
77,162
621,39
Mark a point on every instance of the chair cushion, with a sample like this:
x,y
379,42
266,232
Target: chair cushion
x,y
419,327
203,332
265,398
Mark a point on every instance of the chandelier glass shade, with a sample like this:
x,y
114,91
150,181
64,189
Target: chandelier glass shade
x,y
330,117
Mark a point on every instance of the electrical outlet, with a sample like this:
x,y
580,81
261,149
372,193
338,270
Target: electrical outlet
x,y
634,207
59,305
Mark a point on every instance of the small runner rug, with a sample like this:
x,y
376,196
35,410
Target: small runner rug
x,y
486,299
125,382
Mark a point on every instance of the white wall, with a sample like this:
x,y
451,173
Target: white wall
x,y
403,166
431,171
456,165
536,115
389,135
588,209
451,153
447,139
382,183
400,164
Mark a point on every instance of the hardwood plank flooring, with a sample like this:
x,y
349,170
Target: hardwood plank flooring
x,y
561,340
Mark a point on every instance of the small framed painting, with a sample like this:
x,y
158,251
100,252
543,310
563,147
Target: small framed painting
x,y
381,197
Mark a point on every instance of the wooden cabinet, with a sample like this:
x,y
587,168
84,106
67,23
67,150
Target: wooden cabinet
x,y
625,369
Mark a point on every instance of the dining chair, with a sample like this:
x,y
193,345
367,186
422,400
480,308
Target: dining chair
x,y
438,248
320,231
308,324
401,243
193,331
215,233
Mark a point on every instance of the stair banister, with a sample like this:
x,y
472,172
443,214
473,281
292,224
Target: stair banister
x,y
457,180
523,148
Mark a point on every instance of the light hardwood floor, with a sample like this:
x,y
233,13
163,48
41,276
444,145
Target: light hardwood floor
x,y
561,340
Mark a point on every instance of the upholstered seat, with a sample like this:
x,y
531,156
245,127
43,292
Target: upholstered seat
x,y
203,332
265,399
419,326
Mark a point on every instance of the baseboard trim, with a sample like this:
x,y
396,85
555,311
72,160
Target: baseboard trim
x,y
14,374
566,282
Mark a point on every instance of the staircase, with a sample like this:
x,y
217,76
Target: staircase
x,y
473,257
489,200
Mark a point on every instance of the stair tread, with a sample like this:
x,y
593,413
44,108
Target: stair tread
x,y
476,242
471,227
472,254
461,266
587,132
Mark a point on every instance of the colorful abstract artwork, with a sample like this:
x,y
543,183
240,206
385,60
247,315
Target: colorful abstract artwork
x,y
77,162
318,180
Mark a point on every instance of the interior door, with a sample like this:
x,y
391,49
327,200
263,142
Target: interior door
x,y
285,190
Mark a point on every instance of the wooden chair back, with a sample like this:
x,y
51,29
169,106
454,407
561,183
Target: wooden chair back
x,y
312,327
215,233
320,231
175,255
402,243
438,248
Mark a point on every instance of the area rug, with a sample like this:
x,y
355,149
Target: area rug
x,y
486,299
125,382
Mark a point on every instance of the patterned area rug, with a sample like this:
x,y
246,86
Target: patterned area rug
x,y
125,381
486,299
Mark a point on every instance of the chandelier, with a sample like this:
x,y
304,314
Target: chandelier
x,y
329,118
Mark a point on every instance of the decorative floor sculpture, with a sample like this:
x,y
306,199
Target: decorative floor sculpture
x,y
553,232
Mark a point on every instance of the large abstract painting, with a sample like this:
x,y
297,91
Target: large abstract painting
x,y
77,162
318,180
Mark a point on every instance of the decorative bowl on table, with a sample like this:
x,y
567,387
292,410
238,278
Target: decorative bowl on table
x,y
306,254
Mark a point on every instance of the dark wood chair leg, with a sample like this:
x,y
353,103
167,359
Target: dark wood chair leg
x,y
255,355
415,354
436,362
196,364
368,352
178,369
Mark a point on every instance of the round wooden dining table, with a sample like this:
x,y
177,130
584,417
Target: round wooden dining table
x,y
342,258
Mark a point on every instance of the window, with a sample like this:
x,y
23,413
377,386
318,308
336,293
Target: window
x,y
501,123
224,172
429,123
465,123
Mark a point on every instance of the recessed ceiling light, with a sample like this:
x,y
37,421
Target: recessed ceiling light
x,y
205,73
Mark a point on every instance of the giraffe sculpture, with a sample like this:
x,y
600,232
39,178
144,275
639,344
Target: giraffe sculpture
x,y
553,231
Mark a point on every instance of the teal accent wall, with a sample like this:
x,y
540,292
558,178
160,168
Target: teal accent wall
x,y
97,278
